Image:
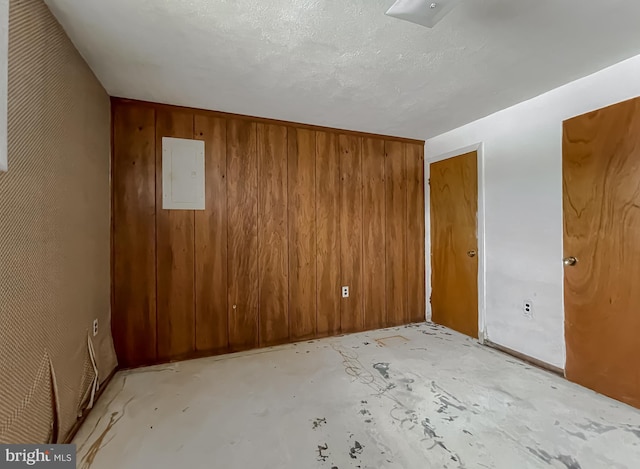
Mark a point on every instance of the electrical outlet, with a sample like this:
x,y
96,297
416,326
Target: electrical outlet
x,y
527,307
345,292
95,327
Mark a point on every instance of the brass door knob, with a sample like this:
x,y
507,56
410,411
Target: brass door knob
x,y
570,261
471,253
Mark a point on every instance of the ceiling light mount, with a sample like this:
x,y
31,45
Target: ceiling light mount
x,y
423,12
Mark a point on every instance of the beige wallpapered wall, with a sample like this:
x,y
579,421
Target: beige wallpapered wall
x,y
54,231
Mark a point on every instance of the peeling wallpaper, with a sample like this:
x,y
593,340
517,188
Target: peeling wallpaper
x,y
54,231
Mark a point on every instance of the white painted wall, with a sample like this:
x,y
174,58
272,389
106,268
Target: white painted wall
x,y
521,181
4,61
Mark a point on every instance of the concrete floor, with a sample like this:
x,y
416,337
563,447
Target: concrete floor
x,y
419,396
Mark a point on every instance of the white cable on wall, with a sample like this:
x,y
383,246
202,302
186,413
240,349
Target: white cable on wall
x,y
55,434
95,386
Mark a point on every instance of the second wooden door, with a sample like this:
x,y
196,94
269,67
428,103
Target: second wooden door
x,y
454,243
601,182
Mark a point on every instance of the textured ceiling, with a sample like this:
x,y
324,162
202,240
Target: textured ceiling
x,y
343,63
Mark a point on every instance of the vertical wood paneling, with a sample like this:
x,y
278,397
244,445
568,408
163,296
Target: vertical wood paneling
x,y
328,233
302,233
175,261
134,235
273,261
242,234
374,278
351,311
291,215
396,209
416,287
211,240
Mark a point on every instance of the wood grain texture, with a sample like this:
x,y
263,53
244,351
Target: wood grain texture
x,y
292,214
211,240
396,233
242,234
175,254
261,120
454,277
601,183
374,230
416,285
134,235
302,233
273,246
351,309
328,233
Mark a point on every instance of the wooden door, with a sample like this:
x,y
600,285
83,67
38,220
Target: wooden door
x,y
601,183
454,243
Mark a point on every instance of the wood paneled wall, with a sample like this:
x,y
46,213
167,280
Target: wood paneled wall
x,y
293,213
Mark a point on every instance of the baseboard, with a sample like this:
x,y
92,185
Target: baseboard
x,y
525,358
76,426
123,365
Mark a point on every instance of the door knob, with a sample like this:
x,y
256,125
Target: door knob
x,y
471,253
570,261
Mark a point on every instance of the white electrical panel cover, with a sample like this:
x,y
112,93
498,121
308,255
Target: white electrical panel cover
x,y
182,174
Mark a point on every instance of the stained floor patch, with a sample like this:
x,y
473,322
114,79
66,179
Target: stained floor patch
x,y
383,369
392,340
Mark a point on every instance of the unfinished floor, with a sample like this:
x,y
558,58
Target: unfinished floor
x,y
419,396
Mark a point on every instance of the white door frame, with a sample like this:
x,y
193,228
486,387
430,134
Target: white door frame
x,y
482,264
